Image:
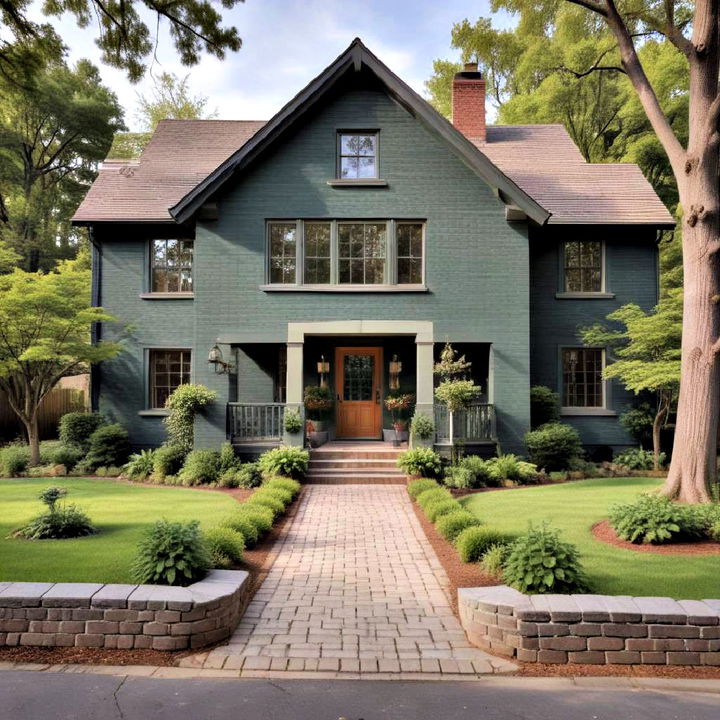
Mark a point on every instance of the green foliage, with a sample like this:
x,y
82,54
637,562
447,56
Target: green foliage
x,y
457,476
510,467
245,526
171,553
494,559
540,562
268,500
67,455
544,406
14,460
225,545
76,428
713,531
200,468
260,516
283,495
457,394
109,445
433,495
654,519
140,465
287,484
471,472
168,460
637,459
474,541
292,422
553,446
184,403
249,475
289,461
441,507
420,461
638,421
416,487
422,427
318,400
451,525
228,459
60,522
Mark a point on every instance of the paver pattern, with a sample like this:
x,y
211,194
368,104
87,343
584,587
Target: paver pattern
x,y
355,588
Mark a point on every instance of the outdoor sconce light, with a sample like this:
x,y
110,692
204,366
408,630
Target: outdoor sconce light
x,y
215,357
395,368
323,368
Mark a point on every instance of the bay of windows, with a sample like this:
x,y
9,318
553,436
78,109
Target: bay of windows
x,y
345,253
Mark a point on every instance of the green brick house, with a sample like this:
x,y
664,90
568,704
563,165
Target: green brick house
x,y
355,228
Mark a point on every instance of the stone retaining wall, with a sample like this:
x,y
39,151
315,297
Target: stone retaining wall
x,y
122,616
594,629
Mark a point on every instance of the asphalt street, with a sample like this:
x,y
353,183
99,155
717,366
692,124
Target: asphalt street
x,y
66,696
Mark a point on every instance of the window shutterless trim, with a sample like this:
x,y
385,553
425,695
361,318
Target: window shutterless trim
x,y
338,156
604,385
563,294
149,410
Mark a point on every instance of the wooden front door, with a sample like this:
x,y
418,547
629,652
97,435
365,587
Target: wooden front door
x,y
358,391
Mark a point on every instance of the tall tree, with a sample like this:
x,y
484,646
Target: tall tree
x,y
44,335
171,99
53,132
123,32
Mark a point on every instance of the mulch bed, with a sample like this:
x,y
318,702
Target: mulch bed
x,y
256,561
603,532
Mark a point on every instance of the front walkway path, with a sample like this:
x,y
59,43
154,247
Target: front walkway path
x,y
355,588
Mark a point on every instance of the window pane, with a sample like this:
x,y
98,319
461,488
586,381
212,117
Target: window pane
x,y
171,265
366,168
282,252
409,243
583,266
362,253
358,155
582,377
168,370
366,144
349,167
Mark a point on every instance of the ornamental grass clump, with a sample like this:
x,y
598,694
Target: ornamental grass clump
x,y
540,562
417,487
441,507
424,462
288,484
259,515
494,559
60,522
172,553
270,501
226,546
473,542
245,526
429,497
451,525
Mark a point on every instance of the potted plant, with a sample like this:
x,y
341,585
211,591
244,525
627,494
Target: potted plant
x,y
318,402
398,404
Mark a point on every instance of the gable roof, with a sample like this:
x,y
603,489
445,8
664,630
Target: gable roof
x,y
536,168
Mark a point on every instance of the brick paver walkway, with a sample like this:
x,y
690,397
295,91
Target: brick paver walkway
x,y
355,588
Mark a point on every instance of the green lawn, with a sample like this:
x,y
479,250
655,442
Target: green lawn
x,y
121,511
574,508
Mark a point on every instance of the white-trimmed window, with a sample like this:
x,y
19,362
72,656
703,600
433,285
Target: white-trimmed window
x,y
342,254
583,267
583,385
357,155
171,262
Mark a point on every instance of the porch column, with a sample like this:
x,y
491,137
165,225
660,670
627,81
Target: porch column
x,y
294,388
424,392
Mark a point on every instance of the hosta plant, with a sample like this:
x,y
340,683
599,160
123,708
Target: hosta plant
x,y
420,461
288,461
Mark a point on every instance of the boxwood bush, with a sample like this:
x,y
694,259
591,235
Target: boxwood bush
x,y
452,524
416,487
473,542
433,495
76,428
109,446
260,516
283,495
441,507
245,526
200,468
266,500
168,460
226,546
553,446
292,486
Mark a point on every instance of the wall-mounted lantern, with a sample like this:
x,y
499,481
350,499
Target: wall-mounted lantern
x,y
215,358
394,368
323,368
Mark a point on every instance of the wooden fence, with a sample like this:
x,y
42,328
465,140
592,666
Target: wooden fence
x,y
55,404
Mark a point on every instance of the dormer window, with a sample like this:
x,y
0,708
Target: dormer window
x,y
357,155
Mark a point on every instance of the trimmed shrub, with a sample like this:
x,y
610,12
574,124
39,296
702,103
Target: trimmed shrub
x,y
168,460
473,542
109,446
433,495
226,546
539,562
553,446
228,459
655,519
510,467
422,427
637,459
14,460
292,422
288,461
420,461
200,468
140,465
292,486
713,531
76,428
494,559
452,524
228,479
269,501
249,475
283,495
171,553
260,516
441,507
184,403
416,487
544,406
59,522
245,526
67,455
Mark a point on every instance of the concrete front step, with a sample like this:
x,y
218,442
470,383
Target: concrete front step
x,y
354,477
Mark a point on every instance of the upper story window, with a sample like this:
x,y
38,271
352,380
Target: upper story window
x,y
345,254
357,155
583,384
583,267
171,266
168,370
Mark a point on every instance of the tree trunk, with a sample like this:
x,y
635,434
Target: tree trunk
x,y
661,415
31,427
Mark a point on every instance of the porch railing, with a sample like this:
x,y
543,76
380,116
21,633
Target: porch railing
x,y
255,422
476,423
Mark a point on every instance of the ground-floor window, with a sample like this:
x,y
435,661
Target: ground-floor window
x,y
583,385
168,370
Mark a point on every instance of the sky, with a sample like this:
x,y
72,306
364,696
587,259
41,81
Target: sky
x,y
286,43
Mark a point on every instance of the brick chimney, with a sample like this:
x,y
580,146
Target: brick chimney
x,y
468,102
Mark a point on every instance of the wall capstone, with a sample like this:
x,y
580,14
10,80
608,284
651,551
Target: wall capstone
x,y
591,629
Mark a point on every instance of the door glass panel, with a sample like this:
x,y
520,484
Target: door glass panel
x,y
358,372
